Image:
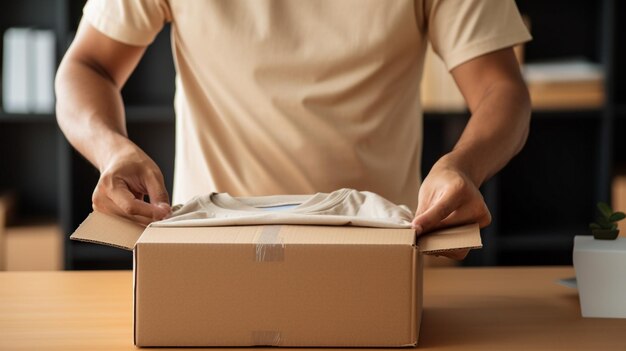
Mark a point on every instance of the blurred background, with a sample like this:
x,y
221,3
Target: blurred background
x,y
574,157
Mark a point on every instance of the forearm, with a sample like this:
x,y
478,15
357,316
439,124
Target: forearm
x,y
496,131
90,111
498,99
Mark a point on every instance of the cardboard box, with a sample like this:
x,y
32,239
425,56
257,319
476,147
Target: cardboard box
x,y
37,246
275,285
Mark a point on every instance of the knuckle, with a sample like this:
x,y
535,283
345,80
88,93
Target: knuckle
x,y
479,207
97,196
443,211
459,185
483,216
105,178
128,208
161,194
155,177
96,202
156,174
487,218
478,210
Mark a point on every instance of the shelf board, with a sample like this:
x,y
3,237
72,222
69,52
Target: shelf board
x,y
27,117
567,95
537,114
590,113
151,113
165,113
157,113
537,240
546,97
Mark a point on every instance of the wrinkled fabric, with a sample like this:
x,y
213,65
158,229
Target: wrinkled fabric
x,y
341,207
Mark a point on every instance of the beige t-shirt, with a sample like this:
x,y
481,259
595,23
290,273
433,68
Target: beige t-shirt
x,y
296,97
340,207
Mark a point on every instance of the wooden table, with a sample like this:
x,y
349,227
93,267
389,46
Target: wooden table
x,y
465,309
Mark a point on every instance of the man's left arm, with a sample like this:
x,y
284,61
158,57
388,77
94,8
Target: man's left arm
x,y
500,108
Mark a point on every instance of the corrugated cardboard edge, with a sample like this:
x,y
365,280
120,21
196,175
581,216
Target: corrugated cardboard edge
x,y
108,230
450,239
135,298
416,299
419,308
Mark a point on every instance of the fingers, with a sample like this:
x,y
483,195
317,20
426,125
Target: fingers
x,y
130,205
104,204
435,214
444,214
126,179
158,195
475,212
114,196
447,198
458,255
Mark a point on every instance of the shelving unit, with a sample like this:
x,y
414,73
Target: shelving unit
x,y
539,202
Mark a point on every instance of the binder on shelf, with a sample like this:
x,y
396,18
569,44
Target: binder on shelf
x,y
43,59
15,80
28,67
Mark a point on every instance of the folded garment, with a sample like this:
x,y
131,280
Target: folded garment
x,y
340,207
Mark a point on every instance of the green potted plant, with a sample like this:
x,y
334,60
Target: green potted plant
x,y
605,226
600,263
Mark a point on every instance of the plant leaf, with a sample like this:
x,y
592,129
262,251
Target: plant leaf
x,y
614,226
604,223
594,225
605,209
617,216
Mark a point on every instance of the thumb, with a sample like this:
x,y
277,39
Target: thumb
x,y
432,217
159,197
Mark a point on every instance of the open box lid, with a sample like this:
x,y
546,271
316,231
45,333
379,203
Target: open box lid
x,y
114,231
101,228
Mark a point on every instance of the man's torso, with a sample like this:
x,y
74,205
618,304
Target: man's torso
x,y
296,97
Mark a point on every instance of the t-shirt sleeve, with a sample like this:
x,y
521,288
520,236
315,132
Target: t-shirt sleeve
x,y
133,22
460,30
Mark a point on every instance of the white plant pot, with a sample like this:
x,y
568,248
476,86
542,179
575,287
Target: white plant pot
x,y
601,276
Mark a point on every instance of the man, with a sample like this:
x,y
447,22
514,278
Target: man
x,y
281,96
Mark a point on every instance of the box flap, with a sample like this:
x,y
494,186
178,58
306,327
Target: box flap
x,y
448,240
108,230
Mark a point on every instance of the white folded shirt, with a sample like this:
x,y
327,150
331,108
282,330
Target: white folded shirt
x,y
340,207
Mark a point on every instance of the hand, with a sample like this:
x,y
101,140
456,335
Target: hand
x,y
123,183
448,197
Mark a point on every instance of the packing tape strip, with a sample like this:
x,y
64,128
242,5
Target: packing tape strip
x,y
266,337
269,245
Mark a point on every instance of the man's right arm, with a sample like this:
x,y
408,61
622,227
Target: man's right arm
x,y
90,112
